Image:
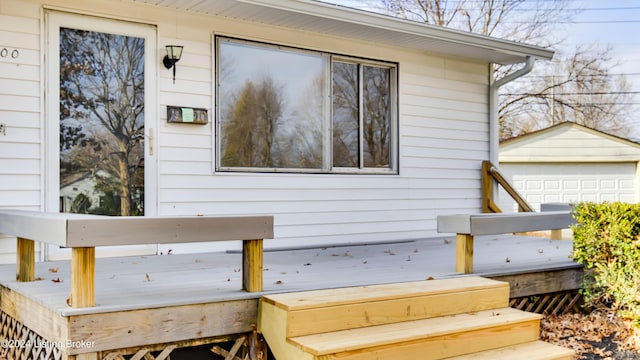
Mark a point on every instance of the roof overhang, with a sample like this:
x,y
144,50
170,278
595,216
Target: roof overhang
x,y
338,20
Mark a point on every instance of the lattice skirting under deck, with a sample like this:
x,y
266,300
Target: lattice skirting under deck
x,y
554,303
19,342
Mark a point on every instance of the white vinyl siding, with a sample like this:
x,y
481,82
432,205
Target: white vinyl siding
x,y
20,113
442,135
20,104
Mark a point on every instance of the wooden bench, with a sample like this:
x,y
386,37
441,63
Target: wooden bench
x,y
466,226
82,233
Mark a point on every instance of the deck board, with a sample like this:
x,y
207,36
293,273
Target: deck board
x,y
127,283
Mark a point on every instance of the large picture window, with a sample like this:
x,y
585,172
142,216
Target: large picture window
x,y
289,110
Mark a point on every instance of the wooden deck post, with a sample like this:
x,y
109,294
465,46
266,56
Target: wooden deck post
x,y
464,253
556,234
83,264
487,189
252,265
26,261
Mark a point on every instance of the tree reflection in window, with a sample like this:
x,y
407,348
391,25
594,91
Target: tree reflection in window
x,y
271,107
274,110
376,121
351,126
346,105
101,122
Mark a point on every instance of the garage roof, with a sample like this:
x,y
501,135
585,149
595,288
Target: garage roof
x,y
337,20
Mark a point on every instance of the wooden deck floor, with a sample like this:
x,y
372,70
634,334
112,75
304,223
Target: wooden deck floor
x,y
143,282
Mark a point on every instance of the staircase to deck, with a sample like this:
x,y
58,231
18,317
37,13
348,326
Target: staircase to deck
x,y
458,318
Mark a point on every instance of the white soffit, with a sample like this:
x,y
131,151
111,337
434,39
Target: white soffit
x,y
337,20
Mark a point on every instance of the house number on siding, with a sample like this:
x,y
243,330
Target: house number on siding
x,y
6,53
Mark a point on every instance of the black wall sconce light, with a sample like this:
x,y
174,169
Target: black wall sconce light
x,y
174,52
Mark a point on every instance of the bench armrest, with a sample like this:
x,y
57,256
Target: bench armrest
x,y
503,223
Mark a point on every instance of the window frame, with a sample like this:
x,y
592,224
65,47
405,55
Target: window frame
x,y
327,113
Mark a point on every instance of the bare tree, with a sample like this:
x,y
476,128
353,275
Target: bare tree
x,y
575,87
518,20
584,91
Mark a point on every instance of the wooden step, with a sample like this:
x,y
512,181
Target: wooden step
x,y
432,338
536,350
321,311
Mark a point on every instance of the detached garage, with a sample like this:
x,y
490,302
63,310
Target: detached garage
x,y
568,163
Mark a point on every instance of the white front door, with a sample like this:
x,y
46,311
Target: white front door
x,y
101,77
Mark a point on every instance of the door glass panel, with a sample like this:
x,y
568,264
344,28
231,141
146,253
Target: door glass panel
x,y
101,123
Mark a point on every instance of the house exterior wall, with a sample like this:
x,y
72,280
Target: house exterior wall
x,y
443,134
20,110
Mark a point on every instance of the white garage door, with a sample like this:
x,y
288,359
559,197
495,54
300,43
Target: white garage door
x,y
545,183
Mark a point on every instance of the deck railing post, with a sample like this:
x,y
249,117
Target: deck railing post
x,y
488,205
26,261
83,268
464,253
252,265
556,234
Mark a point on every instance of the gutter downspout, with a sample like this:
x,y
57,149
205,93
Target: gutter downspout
x,y
494,126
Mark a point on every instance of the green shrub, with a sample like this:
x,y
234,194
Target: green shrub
x,y
607,243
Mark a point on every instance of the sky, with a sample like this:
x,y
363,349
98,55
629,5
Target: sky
x,y
616,24
613,23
